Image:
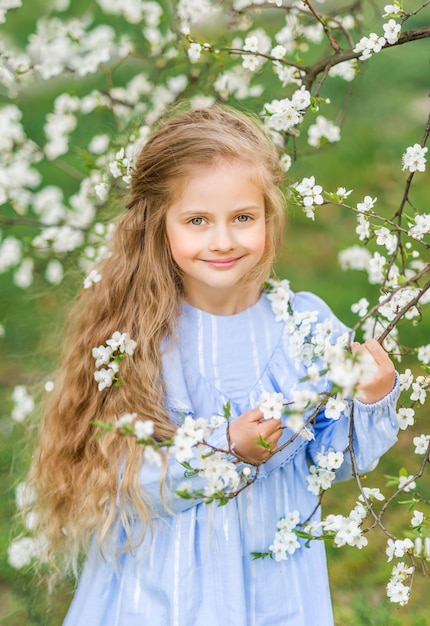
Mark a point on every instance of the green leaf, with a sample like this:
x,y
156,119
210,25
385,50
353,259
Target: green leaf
x,y
107,427
184,494
260,555
263,443
190,473
302,534
227,410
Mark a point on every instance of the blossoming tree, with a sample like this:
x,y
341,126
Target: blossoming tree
x,y
120,66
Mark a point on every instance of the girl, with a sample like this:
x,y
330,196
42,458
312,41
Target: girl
x,y
184,280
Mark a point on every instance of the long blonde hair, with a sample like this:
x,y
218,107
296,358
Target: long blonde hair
x,y
74,473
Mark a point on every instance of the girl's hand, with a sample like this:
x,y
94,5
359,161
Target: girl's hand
x,y
383,380
246,430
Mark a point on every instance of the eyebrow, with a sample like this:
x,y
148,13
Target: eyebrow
x,y
203,212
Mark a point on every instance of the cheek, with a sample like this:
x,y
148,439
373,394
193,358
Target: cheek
x,y
179,245
258,243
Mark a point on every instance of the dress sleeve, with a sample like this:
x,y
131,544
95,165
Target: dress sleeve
x,y
375,425
375,429
160,485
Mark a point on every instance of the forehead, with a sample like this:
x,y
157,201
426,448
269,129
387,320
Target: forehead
x,y
219,171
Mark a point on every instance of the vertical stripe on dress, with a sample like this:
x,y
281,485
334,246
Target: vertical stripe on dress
x,y
192,548
119,606
267,334
137,590
176,572
215,352
225,523
200,344
254,343
254,582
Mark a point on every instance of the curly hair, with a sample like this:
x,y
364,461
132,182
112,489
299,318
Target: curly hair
x,y
84,482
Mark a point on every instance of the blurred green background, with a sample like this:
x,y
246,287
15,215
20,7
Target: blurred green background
x,y
386,111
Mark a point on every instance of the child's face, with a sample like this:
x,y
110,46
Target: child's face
x,y
217,233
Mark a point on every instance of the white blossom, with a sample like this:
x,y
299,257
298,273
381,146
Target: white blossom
x,y
350,534
311,194
323,129
125,420
334,408
287,75
376,268
271,404
23,403
319,478
346,70
405,417
92,278
354,258
10,253
391,31
285,162
143,429
102,355
343,193
414,158
406,379
192,12
54,272
279,297
398,548
420,227
23,276
419,392
392,9
363,227
417,518
21,552
385,238
189,434
367,204
397,591
369,45
236,82
121,342
406,483
421,444
104,377
194,52
220,473
423,354
285,114
371,493
152,455
285,541
361,307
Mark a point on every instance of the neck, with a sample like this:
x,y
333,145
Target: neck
x,y
220,302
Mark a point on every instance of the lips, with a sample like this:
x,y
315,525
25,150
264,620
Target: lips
x,y
222,263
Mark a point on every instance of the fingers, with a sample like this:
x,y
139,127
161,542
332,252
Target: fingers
x,y
374,348
267,428
381,381
248,429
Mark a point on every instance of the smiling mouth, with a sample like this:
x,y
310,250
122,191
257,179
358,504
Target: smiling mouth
x,y
222,263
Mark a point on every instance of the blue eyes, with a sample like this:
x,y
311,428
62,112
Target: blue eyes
x,y
198,221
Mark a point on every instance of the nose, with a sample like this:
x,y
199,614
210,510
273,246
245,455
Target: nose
x,y
222,239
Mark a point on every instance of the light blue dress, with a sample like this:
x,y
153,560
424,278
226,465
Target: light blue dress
x,y
196,569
